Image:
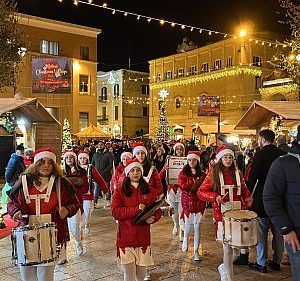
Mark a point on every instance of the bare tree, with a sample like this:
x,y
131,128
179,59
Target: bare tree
x,y
12,44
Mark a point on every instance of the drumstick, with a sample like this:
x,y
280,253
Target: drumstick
x,y
224,195
254,188
24,216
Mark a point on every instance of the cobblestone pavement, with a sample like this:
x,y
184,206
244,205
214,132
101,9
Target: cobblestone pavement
x,y
99,259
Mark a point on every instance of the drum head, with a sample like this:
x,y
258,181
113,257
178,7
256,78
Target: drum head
x,y
240,215
149,211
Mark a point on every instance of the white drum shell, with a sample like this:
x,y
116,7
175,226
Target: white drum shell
x,y
35,244
240,233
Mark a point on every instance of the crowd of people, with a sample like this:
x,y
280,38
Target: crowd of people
x,y
263,178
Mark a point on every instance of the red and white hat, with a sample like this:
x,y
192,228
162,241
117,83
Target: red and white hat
x,y
223,150
44,153
68,152
177,144
194,155
127,154
82,154
131,163
139,146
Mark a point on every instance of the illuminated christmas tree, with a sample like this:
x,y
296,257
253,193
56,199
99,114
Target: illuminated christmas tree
x,y
66,138
276,124
163,130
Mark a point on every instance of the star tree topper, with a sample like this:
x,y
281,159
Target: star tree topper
x,y
163,93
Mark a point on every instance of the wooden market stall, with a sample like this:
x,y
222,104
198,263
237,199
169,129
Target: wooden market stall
x,y
92,132
39,127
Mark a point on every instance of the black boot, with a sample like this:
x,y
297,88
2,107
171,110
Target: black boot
x,y
243,259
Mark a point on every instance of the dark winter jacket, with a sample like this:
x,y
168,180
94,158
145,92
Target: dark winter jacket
x,y
260,166
14,169
282,192
103,163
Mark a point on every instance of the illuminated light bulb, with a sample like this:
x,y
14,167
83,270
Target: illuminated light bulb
x,y
90,1
243,32
256,41
75,2
270,44
263,43
225,35
104,5
182,26
162,21
113,12
284,45
276,45
125,14
60,1
298,57
216,32
138,17
149,20
200,31
192,28
209,33
172,24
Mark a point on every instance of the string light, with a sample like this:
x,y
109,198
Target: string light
x,y
283,89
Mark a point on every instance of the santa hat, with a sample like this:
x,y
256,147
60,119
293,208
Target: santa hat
x,y
177,144
68,152
44,153
194,155
223,150
127,154
82,154
139,146
131,163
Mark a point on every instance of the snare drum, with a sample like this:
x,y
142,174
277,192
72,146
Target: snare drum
x,y
35,244
167,211
240,228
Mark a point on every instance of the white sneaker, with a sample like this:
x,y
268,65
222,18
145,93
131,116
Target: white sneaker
x,y
147,277
196,256
174,230
222,272
79,249
185,245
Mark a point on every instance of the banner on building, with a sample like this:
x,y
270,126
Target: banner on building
x,y
209,106
51,75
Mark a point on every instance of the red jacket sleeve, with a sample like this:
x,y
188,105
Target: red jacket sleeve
x,y
156,183
163,173
185,182
205,192
99,179
119,210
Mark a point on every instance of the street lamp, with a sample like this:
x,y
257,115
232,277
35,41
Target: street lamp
x,y
243,32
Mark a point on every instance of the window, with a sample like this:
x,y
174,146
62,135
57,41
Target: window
x,y
83,83
145,111
204,67
84,53
229,62
257,82
83,120
54,111
103,96
193,70
49,47
116,112
104,112
257,61
169,74
217,64
158,77
116,91
145,90
177,103
180,72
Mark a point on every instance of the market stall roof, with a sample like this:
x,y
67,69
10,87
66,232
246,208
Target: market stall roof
x,y
92,132
261,112
224,129
27,108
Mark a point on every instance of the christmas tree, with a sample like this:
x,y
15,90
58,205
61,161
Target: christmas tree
x,y
276,124
66,138
163,125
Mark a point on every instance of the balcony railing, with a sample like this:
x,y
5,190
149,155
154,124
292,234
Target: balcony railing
x,y
102,119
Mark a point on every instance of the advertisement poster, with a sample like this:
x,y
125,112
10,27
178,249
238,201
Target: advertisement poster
x,y
209,106
51,75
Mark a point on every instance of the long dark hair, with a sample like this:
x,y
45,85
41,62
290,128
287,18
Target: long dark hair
x,y
188,171
219,167
146,166
143,186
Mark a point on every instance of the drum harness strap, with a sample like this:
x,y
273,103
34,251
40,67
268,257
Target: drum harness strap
x,y
37,197
230,187
147,179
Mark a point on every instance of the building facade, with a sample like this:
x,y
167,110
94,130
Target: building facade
x,y
123,103
231,69
60,69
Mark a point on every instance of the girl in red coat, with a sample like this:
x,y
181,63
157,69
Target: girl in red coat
x,y
133,240
174,194
43,185
117,175
88,198
78,178
190,179
225,187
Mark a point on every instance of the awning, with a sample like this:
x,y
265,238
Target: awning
x,y
92,132
224,129
28,108
260,113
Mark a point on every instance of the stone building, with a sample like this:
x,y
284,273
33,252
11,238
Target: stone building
x,y
231,69
123,103
60,69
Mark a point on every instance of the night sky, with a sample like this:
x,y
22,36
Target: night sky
x,y
144,41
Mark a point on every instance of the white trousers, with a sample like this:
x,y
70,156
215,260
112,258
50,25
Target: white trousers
x,y
229,256
88,208
75,224
37,273
133,272
188,227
